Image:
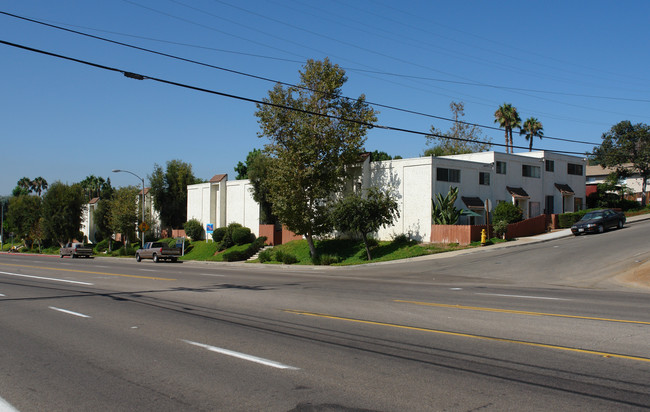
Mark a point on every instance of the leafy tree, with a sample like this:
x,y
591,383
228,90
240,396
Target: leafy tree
x,y
23,213
62,209
626,143
242,169
37,232
508,212
19,191
23,187
365,214
102,217
258,172
532,128
123,216
312,145
460,138
169,190
378,156
508,118
443,211
38,185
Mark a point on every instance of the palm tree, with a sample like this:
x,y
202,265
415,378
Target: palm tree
x,y
38,185
25,183
508,118
532,128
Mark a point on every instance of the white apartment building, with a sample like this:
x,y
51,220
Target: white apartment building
x,y
538,182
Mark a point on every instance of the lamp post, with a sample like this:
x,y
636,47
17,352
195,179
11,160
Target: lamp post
x,y
142,204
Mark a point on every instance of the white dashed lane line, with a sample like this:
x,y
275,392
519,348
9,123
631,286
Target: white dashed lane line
x,y
520,296
243,356
43,278
69,312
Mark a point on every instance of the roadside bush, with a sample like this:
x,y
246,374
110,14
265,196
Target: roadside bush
x,y
566,220
266,256
401,239
508,212
500,228
327,260
286,258
194,229
219,233
242,235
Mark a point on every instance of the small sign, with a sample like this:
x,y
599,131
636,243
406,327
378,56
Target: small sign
x,y
209,228
144,226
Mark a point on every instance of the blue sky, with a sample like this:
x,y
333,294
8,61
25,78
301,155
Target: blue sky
x,y
577,66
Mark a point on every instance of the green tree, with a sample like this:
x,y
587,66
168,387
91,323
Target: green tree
x,y
443,209
23,214
508,118
378,156
38,185
313,144
123,216
102,217
507,212
194,229
258,172
242,168
169,190
62,209
626,143
93,186
460,138
365,214
23,187
532,128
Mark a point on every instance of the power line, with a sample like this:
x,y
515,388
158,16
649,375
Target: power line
x,y
137,76
285,83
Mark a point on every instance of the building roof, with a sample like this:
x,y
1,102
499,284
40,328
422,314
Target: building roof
x,y
517,192
564,189
146,191
218,178
598,170
473,202
93,200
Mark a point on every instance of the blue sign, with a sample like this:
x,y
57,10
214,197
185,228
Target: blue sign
x,y
209,228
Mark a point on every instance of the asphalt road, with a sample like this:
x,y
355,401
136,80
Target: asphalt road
x,y
545,326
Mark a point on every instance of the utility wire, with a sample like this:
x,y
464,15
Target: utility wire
x,y
259,102
293,85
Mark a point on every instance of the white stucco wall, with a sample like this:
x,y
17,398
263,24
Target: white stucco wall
x,y
241,207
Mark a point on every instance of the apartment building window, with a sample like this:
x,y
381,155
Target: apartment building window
x,y
530,171
484,178
448,175
550,165
501,168
574,169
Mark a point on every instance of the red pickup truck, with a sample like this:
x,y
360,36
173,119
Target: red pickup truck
x,y
157,251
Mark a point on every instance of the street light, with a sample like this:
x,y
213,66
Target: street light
x,y
126,171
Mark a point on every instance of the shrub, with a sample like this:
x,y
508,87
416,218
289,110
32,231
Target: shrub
x,y
508,212
329,260
266,256
401,239
500,228
194,229
286,258
241,235
219,234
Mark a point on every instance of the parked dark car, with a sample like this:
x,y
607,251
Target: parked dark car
x,y
598,221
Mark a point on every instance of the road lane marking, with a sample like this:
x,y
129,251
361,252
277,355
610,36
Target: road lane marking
x,y
520,296
240,355
44,278
86,271
472,336
521,312
6,406
69,312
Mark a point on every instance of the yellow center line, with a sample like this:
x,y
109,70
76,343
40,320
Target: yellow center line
x,y
519,312
87,271
469,335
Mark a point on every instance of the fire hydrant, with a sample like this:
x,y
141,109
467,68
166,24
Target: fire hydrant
x,y
483,237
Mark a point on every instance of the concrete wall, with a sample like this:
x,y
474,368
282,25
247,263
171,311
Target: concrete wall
x,y
240,206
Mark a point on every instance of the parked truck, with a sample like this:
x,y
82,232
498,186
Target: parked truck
x,y
157,251
75,250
